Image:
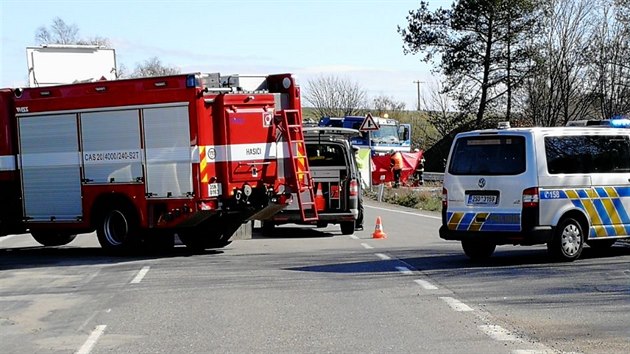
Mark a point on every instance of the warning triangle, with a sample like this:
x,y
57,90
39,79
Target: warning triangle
x,y
369,124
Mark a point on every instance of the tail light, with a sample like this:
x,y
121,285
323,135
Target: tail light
x,y
354,188
530,197
444,198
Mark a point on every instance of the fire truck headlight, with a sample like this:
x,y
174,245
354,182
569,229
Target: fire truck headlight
x,y
247,189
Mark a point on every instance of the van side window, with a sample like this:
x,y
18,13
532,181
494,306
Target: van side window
x,y
587,154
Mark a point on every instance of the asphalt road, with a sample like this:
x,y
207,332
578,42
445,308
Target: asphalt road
x,y
314,291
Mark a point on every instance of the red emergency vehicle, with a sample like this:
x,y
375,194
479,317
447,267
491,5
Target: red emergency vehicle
x,y
141,160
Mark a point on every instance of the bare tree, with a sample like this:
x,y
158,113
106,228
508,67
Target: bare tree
x,y
441,117
62,33
153,67
332,96
560,90
387,105
59,33
607,56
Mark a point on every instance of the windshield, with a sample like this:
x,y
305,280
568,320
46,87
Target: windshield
x,y
386,134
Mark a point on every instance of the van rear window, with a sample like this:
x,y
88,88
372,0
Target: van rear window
x,y
321,155
587,154
488,155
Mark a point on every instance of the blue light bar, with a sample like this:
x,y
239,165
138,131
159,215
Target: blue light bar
x,y
191,81
620,123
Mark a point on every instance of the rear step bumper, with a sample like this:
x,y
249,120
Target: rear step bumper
x,y
536,235
294,217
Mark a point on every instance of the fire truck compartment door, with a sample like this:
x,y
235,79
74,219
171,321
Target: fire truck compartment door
x,y
50,162
167,152
111,146
251,147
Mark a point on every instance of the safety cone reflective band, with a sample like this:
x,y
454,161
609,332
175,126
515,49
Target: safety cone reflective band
x,y
378,230
320,201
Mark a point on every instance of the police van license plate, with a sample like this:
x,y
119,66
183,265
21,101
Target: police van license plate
x,y
214,189
482,199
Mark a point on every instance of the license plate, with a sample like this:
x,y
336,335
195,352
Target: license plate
x,y
476,199
214,189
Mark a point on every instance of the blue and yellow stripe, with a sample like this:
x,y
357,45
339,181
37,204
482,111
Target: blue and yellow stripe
x,y
471,221
603,205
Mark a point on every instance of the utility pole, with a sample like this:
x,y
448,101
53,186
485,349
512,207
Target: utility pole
x,y
418,85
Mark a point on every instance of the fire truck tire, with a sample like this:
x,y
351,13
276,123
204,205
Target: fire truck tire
x,y
117,229
267,228
347,227
52,238
159,241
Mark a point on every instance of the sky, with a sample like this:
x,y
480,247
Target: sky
x,y
351,39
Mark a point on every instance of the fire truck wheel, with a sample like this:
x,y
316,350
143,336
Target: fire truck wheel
x,y
347,227
52,238
267,228
192,240
159,241
116,229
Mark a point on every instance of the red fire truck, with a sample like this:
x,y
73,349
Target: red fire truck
x,y
140,160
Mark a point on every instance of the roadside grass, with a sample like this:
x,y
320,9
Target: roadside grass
x,y
423,198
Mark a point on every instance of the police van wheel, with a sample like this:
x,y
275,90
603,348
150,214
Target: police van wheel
x,y
568,240
52,238
478,250
116,230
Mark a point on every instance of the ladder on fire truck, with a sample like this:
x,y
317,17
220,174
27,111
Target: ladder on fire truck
x,y
290,124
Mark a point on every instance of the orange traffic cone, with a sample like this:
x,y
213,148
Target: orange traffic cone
x,y
320,201
378,230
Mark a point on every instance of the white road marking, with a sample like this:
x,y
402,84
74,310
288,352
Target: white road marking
x,y
354,237
425,284
404,212
140,275
366,246
383,256
456,304
498,333
404,270
91,341
533,351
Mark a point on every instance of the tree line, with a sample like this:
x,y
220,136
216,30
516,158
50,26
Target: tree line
x,y
532,62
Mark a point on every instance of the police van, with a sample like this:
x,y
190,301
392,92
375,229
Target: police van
x,y
563,186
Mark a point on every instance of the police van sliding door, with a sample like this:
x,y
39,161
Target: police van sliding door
x,y
49,157
592,172
167,152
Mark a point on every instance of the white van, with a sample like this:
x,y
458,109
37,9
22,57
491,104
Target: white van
x,y
562,186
